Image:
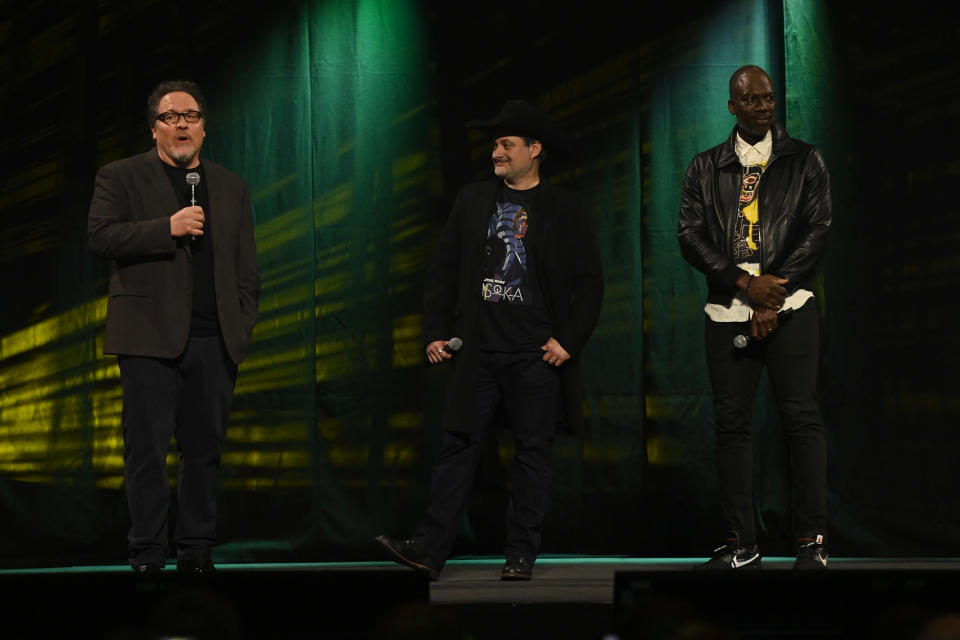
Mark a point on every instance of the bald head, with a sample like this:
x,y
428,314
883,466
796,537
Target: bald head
x,y
740,74
752,101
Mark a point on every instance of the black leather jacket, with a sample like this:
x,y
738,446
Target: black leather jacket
x,y
795,213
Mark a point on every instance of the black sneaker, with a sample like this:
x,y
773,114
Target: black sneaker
x,y
406,553
811,554
733,555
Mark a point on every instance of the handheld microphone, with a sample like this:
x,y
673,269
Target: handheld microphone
x,y
453,345
741,340
193,179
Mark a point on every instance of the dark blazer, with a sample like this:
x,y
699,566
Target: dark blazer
x,y
566,255
148,312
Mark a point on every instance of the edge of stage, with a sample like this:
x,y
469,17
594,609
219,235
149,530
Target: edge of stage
x,y
570,596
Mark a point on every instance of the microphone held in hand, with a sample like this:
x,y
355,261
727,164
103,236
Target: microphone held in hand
x,y
453,345
742,340
193,179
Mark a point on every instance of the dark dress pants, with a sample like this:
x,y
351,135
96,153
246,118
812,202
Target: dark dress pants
x,y
529,389
791,356
187,398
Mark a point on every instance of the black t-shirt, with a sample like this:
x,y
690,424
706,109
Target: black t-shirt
x,y
513,316
204,320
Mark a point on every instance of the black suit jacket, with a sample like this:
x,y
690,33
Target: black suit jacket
x,y
569,270
151,284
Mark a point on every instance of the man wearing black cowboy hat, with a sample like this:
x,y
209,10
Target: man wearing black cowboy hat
x,y
518,278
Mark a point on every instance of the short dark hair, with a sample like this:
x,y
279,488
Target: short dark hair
x,y
735,78
169,86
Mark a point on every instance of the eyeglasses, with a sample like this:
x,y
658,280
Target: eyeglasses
x,y
173,117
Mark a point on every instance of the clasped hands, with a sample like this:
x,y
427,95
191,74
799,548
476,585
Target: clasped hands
x,y
766,295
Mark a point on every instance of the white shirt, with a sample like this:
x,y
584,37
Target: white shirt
x,y
739,310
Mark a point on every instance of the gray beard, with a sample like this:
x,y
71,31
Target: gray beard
x,y
183,157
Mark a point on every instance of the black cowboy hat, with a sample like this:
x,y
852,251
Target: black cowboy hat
x,y
519,118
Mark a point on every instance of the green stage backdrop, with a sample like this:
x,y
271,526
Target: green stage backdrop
x,y
346,118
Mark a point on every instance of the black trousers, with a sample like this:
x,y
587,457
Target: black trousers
x,y
529,389
187,398
791,356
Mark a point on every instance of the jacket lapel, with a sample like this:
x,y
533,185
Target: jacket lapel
x,y
480,216
545,214
159,184
217,192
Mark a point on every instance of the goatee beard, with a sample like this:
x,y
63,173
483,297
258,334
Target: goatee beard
x,y
184,156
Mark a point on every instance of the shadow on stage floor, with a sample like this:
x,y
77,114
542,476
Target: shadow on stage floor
x,y
569,597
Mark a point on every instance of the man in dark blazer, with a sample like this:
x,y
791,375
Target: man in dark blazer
x,y
182,305
518,279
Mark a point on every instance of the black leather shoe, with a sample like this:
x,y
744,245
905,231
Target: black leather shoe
x,y
406,553
147,569
517,568
196,567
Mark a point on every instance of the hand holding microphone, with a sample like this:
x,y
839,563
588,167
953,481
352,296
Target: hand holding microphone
x,y
440,350
193,179
189,220
764,323
766,295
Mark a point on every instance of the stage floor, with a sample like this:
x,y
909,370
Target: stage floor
x,y
595,598
591,580
566,579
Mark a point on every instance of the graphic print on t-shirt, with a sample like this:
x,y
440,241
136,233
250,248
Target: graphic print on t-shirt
x,y
505,257
746,240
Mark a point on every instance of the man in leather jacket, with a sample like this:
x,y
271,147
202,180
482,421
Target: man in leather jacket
x,y
754,217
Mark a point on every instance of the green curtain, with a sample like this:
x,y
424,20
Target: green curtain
x,y
344,117
689,114
330,118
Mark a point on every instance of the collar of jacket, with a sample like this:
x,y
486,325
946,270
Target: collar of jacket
x,y
783,145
